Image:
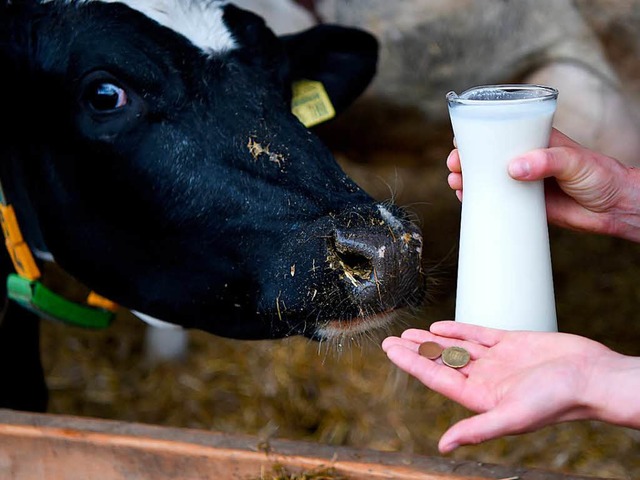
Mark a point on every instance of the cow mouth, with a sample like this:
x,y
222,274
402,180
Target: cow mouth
x,y
357,326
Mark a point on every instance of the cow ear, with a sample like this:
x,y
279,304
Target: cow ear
x,y
343,59
258,43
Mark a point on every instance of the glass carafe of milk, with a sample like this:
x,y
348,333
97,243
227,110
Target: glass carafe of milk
x,y
504,264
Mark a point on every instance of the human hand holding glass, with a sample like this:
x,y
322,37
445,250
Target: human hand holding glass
x,y
590,192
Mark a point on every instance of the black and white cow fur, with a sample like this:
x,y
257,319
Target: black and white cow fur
x,y
151,152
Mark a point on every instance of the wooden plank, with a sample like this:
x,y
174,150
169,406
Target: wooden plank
x,y
42,446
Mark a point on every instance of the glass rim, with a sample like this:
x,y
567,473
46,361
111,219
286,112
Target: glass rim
x,y
547,93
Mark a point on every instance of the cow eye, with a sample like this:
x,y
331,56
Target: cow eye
x,y
105,96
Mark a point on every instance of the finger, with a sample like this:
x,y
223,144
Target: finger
x,y
475,351
480,428
546,162
420,336
465,331
564,163
445,380
455,181
417,335
390,341
453,161
459,194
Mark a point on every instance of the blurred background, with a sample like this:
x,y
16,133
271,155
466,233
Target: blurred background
x,y
394,142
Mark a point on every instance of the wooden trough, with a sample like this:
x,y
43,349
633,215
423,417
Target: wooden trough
x,y
43,446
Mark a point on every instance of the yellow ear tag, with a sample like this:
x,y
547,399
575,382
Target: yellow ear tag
x,y
311,103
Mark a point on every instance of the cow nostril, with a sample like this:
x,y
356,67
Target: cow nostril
x,y
356,264
352,259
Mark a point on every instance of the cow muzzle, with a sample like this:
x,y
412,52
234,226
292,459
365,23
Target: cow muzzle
x,y
353,273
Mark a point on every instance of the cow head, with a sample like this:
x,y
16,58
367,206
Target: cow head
x,y
153,154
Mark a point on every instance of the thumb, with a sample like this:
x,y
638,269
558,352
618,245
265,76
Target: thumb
x,y
480,428
564,163
543,162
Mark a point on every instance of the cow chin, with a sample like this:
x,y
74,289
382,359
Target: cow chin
x,y
355,327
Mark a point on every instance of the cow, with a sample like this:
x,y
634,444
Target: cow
x,y
150,153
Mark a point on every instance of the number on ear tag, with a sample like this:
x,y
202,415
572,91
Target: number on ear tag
x,y
310,103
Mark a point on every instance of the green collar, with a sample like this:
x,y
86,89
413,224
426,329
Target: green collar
x,y
27,285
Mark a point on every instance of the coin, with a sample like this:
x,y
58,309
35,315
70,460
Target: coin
x,y
455,357
431,350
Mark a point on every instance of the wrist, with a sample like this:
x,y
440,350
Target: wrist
x,y
612,392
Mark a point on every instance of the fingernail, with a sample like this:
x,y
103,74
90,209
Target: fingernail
x,y
519,168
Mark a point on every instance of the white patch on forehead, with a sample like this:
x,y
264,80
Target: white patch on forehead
x,y
200,21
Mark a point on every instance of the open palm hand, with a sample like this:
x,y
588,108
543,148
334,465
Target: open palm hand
x,y
516,381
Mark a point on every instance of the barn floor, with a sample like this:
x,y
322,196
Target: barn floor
x,y
297,389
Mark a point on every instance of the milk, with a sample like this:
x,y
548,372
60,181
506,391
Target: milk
x,y
504,266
